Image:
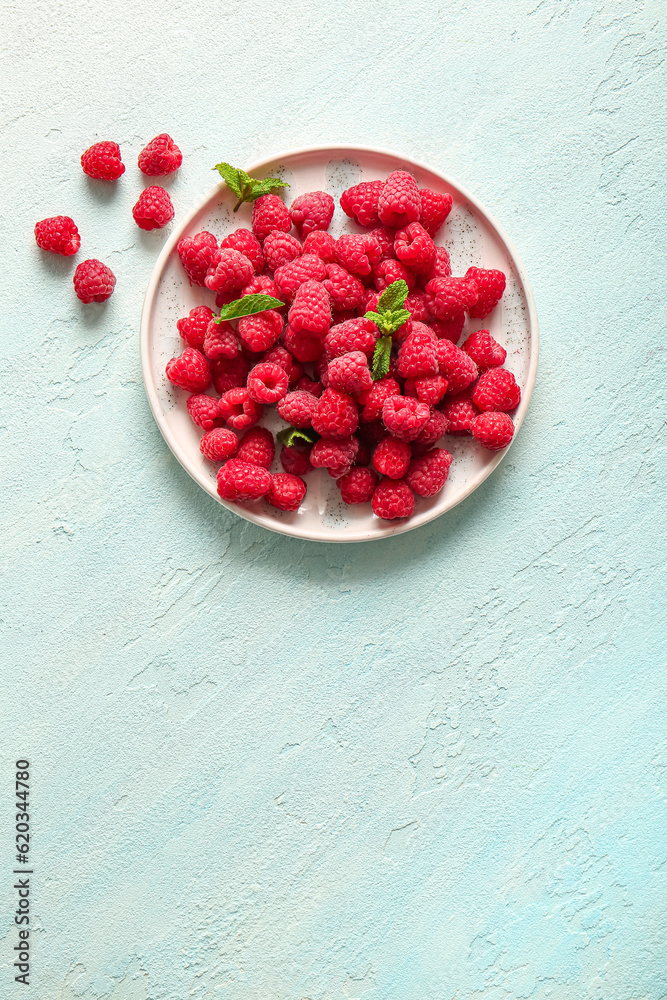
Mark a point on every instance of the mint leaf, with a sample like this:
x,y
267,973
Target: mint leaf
x,y
381,358
267,186
247,188
398,317
293,435
382,321
247,306
393,296
230,176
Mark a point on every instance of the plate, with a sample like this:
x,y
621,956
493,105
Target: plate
x,y
473,238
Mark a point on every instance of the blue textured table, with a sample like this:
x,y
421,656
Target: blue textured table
x,y
429,767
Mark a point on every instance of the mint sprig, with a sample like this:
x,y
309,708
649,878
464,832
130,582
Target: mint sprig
x,y
390,316
293,435
247,306
244,187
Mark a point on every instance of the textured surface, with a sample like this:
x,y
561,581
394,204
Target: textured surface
x,y
432,767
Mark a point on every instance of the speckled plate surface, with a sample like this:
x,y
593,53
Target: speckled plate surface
x,y
472,237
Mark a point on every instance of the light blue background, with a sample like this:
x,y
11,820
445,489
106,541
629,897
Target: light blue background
x,y
428,767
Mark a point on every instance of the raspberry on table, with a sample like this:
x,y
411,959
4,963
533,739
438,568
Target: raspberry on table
x,y
279,355
352,335
267,383
433,429
399,203
304,346
336,414
358,254
298,407
102,161
218,444
311,309
428,388
415,248
280,248
388,271
296,459
230,270
497,390
291,276
220,341
393,498
392,457
374,399
428,472
312,212
286,492
493,430
161,156
261,331
238,409
321,244
460,412
350,372
58,235
448,297
484,349
404,417
229,373
204,411
334,454
248,244
490,288
192,327
242,482
448,329
257,447
357,485
190,371
435,207
93,281
268,214
153,209
345,290
457,367
361,202
197,254
417,356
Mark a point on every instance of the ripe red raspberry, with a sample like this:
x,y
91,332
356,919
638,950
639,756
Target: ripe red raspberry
x,y
297,408
230,270
220,341
335,455
228,374
335,415
357,485
311,309
352,335
197,254
448,297
280,248
392,457
257,447
415,248
393,498
287,491
190,371
490,288
350,373
278,355
361,202
192,327
238,409
428,473
435,207
493,430
399,203
358,254
404,417
93,281
204,410
261,331
303,345
161,156
429,389
153,209
290,277
417,356
247,244
448,329
385,237
345,291
307,385
312,212
388,271
58,234
374,399
321,244
417,304
218,444
497,390
267,383
485,351
261,284
442,267
102,161
242,482
268,213
460,412
459,369
433,429
295,459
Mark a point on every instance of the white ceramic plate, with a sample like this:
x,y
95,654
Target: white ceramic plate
x,y
472,237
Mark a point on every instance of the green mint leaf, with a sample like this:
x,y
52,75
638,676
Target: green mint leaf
x,y
244,177
230,176
381,358
247,306
393,296
398,317
293,435
266,186
382,322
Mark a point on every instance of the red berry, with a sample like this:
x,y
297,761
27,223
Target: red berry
x,y
220,341
153,209
448,297
417,356
190,371
388,271
493,430
102,161
448,329
268,213
303,345
357,485
230,270
490,288
460,412
280,248
312,212
485,351
392,457
393,498
242,482
267,383
58,235
374,399
352,335
350,372
415,248
307,384
336,414
417,304
430,389
497,390
428,472
192,327
93,281
261,331
279,356
297,408
247,244
335,455
321,244
442,267
290,277
399,203
228,374
257,447
238,409
345,291
295,459
385,237
204,410
286,492
361,202
261,284
404,417
457,367
197,254
311,310
433,429
161,156
218,444
358,254
435,207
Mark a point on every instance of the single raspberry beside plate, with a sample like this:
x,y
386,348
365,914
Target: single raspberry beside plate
x,y
58,235
161,156
153,209
93,281
102,161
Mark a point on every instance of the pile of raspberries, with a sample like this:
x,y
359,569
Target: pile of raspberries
x,y
315,357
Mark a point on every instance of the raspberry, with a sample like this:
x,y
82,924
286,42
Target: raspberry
x,y
373,400
280,248
58,234
93,281
335,415
244,241
417,356
242,482
102,161
460,412
303,345
392,457
417,304
404,417
279,356
349,372
290,277
357,485
361,202
238,409
385,237
490,288
429,389
442,266
297,408
393,498
459,369
312,212
321,244
257,447
448,297
287,491
428,473
295,459
433,429
399,203
415,248
261,331
230,270
261,284
493,430
358,254
311,309
334,455
218,444
267,383
192,327
307,385
197,254
268,213
229,374
220,341
485,351
190,371
204,410
352,335
161,156
345,291
497,390
435,207
448,329
388,271
153,209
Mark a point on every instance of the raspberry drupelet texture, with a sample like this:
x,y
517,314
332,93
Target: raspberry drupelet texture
x,y
433,429
257,447
280,248
322,244
261,331
204,411
192,327
291,276
352,335
385,238
160,157
388,271
267,383
490,288
428,472
242,482
197,254
93,281
279,355
399,203
261,284
304,346
311,309
307,384
361,202
336,414
248,244
374,399
417,356
415,248
268,214
429,388
358,254
460,412
220,341
345,290
229,374
295,459
357,485
153,209
350,372
392,457
190,371
230,270
312,212
493,430
435,207
238,409
497,390
218,444
102,161
404,417
58,235
485,351
286,492
393,498
457,367
298,408
449,297
448,329
334,454
442,267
